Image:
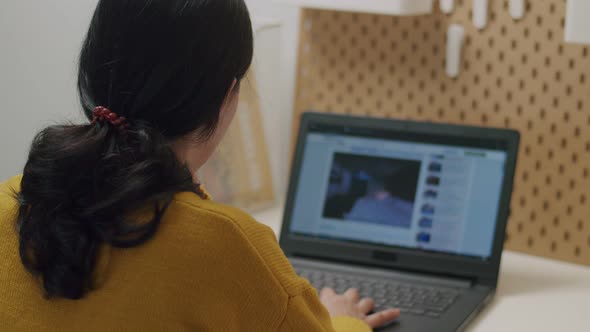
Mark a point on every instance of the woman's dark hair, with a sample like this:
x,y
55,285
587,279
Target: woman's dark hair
x,y
165,65
403,183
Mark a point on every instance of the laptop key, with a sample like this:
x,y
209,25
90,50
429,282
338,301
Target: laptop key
x,y
432,314
417,311
403,310
434,309
380,302
406,304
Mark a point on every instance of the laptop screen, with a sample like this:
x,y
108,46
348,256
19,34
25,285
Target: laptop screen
x,y
420,193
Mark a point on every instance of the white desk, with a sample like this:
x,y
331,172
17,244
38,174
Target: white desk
x,y
534,294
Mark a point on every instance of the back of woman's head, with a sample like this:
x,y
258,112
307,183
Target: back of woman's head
x,y
167,67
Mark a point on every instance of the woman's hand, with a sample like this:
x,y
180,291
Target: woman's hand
x,y
350,304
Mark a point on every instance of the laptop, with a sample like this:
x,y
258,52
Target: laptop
x,y
411,214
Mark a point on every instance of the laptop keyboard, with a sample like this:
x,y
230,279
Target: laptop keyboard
x,y
412,299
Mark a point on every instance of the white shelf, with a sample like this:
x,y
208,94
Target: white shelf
x,y
386,7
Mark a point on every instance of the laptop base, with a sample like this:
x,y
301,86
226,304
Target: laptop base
x,y
469,300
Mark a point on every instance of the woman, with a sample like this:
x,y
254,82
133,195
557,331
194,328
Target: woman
x,y
108,229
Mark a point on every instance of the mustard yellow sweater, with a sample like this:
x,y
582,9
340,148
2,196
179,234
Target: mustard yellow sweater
x,y
210,267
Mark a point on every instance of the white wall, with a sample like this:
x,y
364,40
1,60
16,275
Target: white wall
x,y
39,42
275,64
39,45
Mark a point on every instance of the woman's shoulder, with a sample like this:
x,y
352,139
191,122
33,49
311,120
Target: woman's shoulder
x,y
218,220
242,232
8,192
195,207
11,185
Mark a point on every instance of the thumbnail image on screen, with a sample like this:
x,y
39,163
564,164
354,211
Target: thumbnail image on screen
x,y
372,189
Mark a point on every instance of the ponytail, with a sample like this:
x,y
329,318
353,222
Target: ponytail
x,y
167,67
79,185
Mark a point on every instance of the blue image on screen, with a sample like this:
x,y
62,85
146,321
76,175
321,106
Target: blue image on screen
x,y
425,222
423,237
372,189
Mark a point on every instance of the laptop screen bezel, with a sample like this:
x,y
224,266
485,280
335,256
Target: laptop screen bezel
x,y
486,271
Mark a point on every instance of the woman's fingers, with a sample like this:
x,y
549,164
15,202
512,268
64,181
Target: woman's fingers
x,y
380,318
366,305
352,294
327,292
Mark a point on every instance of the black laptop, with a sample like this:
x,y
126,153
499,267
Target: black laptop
x,y
411,214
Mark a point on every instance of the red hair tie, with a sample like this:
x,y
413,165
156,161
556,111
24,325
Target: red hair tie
x,y
101,113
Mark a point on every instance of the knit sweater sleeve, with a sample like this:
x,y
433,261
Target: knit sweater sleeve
x,y
304,311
